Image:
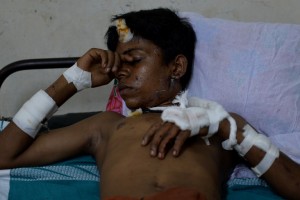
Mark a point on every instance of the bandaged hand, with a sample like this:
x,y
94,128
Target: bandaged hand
x,y
95,68
201,113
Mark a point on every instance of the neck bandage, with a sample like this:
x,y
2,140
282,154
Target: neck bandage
x,y
80,78
251,137
38,108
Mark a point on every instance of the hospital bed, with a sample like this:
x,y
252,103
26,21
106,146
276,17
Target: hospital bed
x,y
252,69
76,178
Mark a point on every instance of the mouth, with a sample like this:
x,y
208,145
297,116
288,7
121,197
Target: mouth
x,y
124,89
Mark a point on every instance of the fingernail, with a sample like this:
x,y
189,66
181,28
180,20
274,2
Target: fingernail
x,y
152,153
160,155
143,142
174,153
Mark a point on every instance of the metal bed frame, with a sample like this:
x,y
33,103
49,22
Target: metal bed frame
x,y
43,63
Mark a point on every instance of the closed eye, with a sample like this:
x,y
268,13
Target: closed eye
x,y
132,62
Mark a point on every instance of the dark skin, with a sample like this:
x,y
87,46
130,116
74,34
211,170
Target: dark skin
x,y
114,140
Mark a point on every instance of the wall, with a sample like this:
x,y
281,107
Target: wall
x,y
53,28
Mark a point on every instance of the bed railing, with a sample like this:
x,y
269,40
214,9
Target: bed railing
x,y
43,63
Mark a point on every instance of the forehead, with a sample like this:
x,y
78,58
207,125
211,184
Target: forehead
x,y
137,45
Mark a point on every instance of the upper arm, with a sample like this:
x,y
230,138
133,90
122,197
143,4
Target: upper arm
x,y
53,146
60,144
18,149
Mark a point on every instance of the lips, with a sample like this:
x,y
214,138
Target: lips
x,y
124,89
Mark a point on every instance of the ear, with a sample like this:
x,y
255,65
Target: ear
x,y
179,66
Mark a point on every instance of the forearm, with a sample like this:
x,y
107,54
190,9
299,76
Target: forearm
x,y
18,145
14,141
60,91
283,175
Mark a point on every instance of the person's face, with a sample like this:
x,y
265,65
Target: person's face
x,y
144,78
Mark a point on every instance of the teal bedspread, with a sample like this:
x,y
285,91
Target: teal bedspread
x,y
74,179
78,179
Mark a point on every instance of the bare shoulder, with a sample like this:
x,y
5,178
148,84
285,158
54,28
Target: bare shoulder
x,y
100,127
107,119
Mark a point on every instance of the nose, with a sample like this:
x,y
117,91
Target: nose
x,y
123,71
124,68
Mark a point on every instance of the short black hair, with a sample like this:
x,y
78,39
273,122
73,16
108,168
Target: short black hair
x,y
162,26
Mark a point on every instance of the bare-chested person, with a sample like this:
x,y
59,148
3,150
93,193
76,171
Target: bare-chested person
x,y
151,55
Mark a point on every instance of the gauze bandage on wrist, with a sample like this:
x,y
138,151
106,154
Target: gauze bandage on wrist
x,y
251,137
215,113
39,107
80,78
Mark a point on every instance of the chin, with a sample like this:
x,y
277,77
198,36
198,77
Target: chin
x,y
132,105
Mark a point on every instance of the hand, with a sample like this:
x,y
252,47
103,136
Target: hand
x,y
101,63
162,135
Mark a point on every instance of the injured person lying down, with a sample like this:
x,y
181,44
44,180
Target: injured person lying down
x,y
172,146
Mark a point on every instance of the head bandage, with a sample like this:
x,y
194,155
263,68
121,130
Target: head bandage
x,y
251,137
38,108
124,32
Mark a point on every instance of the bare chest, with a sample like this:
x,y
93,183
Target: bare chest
x,y
128,168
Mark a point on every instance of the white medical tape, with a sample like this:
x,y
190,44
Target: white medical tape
x,y
197,118
252,138
216,113
249,135
176,115
80,78
231,141
267,161
38,108
213,128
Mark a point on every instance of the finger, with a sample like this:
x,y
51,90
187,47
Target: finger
x,y
180,139
117,62
110,61
150,133
100,56
89,58
157,138
172,133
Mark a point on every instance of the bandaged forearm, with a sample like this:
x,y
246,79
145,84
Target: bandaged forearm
x,y
216,113
38,108
80,78
201,113
252,138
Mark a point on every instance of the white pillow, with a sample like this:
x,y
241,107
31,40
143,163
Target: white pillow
x,y
252,69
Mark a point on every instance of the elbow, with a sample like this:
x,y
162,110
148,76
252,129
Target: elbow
x,y
6,164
